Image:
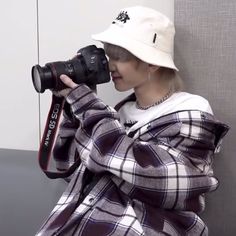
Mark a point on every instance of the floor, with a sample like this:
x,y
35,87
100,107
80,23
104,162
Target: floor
x,y
26,195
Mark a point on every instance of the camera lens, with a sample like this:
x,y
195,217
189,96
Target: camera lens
x,y
42,78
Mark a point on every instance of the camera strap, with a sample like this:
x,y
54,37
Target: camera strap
x,y
48,139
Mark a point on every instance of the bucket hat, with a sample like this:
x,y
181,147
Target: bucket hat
x,y
145,32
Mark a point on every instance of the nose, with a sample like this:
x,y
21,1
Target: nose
x,y
112,66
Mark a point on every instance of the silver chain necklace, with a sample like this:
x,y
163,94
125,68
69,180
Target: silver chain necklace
x,y
154,104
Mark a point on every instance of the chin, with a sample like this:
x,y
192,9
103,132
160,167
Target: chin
x,y
120,89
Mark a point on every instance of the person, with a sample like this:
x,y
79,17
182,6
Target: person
x,y
145,166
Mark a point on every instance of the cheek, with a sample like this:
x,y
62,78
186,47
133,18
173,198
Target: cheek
x,y
132,72
128,69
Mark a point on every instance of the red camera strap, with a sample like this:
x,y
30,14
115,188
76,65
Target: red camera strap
x,y
48,140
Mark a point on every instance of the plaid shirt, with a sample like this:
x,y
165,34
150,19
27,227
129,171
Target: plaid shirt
x,y
151,182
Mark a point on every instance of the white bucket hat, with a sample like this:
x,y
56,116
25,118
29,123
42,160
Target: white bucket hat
x,y
146,33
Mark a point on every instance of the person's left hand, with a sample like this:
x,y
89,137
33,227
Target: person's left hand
x,y
69,83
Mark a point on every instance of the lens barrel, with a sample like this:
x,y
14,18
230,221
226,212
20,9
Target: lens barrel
x,y
89,66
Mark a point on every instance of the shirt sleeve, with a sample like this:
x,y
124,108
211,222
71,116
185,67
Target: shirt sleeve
x,y
152,171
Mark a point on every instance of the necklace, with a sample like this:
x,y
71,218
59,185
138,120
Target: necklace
x,y
154,104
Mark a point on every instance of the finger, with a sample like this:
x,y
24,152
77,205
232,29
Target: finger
x,y
65,92
61,93
68,81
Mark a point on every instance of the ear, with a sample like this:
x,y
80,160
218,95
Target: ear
x,y
153,68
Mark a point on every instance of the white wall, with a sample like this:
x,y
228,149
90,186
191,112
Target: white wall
x,y
18,101
64,27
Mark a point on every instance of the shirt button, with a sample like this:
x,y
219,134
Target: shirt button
x,y
91,199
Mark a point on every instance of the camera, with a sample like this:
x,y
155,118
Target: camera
x,y
89,66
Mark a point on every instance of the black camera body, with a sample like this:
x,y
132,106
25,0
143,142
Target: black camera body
x,y
89,66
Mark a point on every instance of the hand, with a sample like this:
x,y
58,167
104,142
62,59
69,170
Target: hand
x,y
69,83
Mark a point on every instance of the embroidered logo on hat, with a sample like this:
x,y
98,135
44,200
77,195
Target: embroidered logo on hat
x,y
122,17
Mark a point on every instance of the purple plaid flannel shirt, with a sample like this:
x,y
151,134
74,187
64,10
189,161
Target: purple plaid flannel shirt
x,y
153,184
